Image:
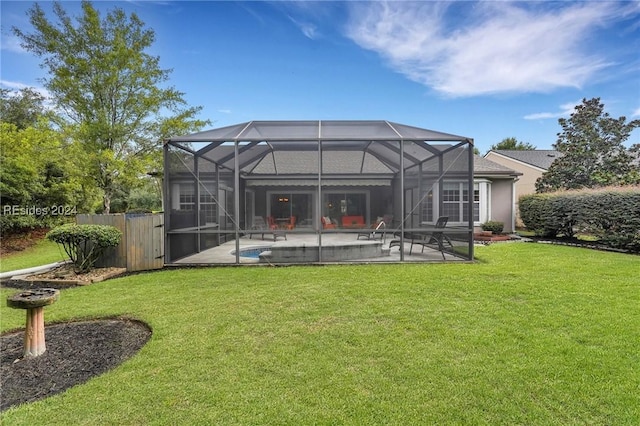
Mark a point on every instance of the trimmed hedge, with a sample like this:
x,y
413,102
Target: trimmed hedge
x,y
612,214
85,243
493,226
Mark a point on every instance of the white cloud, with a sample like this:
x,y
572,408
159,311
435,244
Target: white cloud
x,y
11,43
224,111
636,113
16,85
541,116
469,49
308,29
565,111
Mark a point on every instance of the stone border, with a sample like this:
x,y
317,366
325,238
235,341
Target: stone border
x,y
25,282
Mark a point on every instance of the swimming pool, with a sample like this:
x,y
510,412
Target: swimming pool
x,y
251,252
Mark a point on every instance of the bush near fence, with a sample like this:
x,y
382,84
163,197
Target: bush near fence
x,y
84,244
611,214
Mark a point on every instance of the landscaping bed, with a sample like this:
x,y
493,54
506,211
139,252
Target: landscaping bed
x,y
63,277
488,237
76,352
577,242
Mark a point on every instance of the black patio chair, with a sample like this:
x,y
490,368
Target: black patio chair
x,y
435,238
376,231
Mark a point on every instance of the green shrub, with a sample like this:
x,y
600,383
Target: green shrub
x,y
614,217
612,214
18,224
493,226
535,212
84,244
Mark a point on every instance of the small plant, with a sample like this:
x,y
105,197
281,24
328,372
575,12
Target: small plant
x,y
85,243
493,226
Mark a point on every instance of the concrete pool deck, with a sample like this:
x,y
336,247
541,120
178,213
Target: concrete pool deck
x,y
337,247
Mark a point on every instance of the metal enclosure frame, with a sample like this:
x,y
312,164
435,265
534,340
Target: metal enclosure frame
x,y
410,174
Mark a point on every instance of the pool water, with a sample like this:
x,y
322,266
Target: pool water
x,y
252,253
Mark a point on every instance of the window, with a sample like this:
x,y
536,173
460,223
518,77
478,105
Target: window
x,y
345,204
476,203
455,201
427,206
187,200
208,203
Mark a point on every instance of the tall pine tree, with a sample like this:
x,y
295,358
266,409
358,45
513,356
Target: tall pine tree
x,y
594,154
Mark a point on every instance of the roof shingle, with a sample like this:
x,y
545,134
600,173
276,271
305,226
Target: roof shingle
x,y
541,158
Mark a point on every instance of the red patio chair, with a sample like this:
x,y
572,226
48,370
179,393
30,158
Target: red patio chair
x,y
292,223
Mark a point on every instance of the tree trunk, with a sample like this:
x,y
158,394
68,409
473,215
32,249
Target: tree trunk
x,y
106,203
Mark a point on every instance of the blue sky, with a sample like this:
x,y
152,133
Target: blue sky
x,y
486,70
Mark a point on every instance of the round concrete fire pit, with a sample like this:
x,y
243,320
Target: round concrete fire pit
x,y
34,302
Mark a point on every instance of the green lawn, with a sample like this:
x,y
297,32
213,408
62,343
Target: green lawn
x,y
531,334
42,253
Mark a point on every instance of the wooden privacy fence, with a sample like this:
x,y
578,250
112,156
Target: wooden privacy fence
x,y
142,244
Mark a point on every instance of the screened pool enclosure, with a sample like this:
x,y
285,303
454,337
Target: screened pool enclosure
x,y
294,192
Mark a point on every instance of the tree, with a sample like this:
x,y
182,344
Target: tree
x,y
37,160
39,183
108,91
594,155
37,169
22,108
513,144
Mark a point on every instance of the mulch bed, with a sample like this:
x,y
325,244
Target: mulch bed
x,y
576,242
76,352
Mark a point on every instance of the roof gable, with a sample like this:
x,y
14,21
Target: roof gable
x,y
484,166
541,158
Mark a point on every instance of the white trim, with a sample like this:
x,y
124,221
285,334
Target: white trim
x,y
514,202
484,213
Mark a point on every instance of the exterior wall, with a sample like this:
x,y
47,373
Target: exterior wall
x,y
526,184
502,202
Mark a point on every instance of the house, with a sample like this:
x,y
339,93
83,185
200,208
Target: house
x,y
530,163
299,176
497,197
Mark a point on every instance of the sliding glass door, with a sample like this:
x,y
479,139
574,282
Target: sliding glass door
x,y
285,205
